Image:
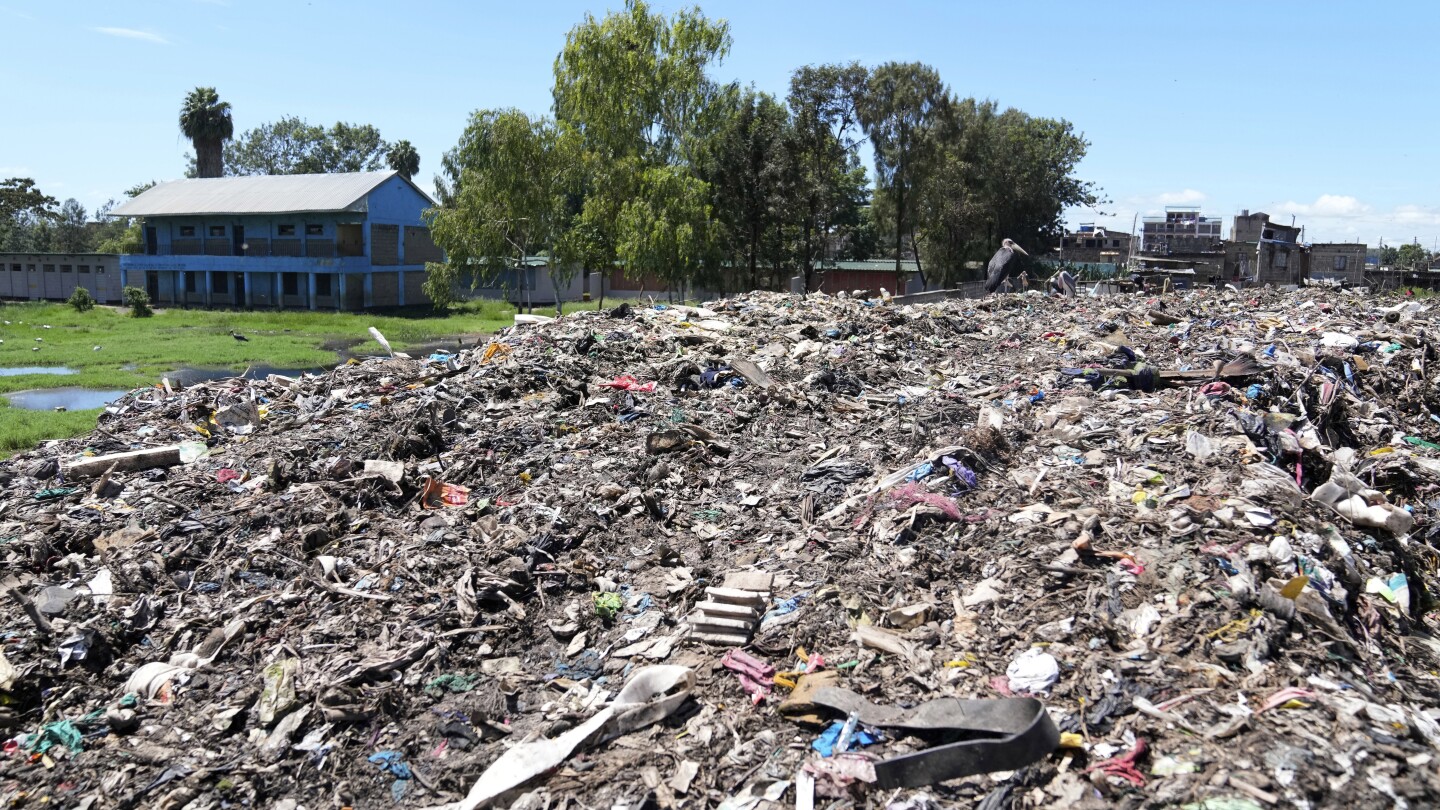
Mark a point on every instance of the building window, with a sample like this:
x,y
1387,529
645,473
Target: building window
x,y
314,229
84,268
285,230
322,285
99,268
29,268
14,268
49,268
187,230
1114,243
217,230
1267,234
189,282
65,268
1282,260
290,283
1341,262
220,283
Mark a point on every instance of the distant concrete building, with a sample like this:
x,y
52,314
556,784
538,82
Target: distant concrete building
x,y
1338,261
334,241
54,276
1265,252
1181,230
1090,244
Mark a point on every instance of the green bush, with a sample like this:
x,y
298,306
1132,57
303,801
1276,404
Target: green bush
x,y
81,300
439,285
138,301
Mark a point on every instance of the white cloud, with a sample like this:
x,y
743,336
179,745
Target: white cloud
x,y
131,33
1187,197
1415,215
1337,206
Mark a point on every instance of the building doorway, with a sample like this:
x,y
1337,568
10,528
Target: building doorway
x,y
237,234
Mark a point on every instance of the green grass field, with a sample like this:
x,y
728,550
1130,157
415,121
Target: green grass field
x,y
135,352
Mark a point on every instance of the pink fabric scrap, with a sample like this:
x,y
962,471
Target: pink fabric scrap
x,y
912,493
626,382
755,675
1285,696
1123,766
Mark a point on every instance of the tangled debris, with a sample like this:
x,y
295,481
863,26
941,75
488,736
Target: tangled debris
x,y
1198,529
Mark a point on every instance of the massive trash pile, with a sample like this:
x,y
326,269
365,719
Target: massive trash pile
x,y
776,551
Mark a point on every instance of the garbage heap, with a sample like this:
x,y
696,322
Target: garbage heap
x,y
773,551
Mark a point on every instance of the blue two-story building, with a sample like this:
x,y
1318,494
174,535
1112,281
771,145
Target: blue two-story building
x,y
332,241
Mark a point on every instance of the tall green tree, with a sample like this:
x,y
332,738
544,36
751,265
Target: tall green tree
x,y
403,158
823,102
902,104
748,164
634,92
205,120
1412,256
25,215
71,232
292,145
665,231
509,202
995,175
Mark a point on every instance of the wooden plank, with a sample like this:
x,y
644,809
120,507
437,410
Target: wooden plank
x,y
131,461
723,609
735,596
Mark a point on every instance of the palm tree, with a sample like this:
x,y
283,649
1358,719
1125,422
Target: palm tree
x,y
404,159
205,120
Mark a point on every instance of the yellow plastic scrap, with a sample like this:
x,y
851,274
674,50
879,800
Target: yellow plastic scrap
x,y
495,351
1070,739
786,679
1232,630
201,429
1293,588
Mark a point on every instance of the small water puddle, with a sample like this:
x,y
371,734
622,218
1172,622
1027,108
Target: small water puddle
x,y
71,399
20,371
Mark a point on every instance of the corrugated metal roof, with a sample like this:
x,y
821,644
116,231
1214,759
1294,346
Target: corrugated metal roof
x,y
260,194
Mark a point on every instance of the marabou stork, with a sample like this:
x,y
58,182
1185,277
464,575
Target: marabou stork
x,y
239,336
1003,265
1062,283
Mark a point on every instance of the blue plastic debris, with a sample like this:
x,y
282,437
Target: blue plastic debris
x,y
392,762
785,606
827,744
923,471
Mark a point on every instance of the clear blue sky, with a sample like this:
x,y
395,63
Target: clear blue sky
x,y
1322,110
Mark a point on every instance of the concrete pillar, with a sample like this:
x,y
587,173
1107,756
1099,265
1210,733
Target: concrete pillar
x,y
209,284
797,285
180,295
400,293
369,282
343,285
593,284
123,282
311,296
249,290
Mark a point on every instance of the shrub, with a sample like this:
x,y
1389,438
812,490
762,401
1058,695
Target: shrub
x,y
81,300
440,285
138,301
